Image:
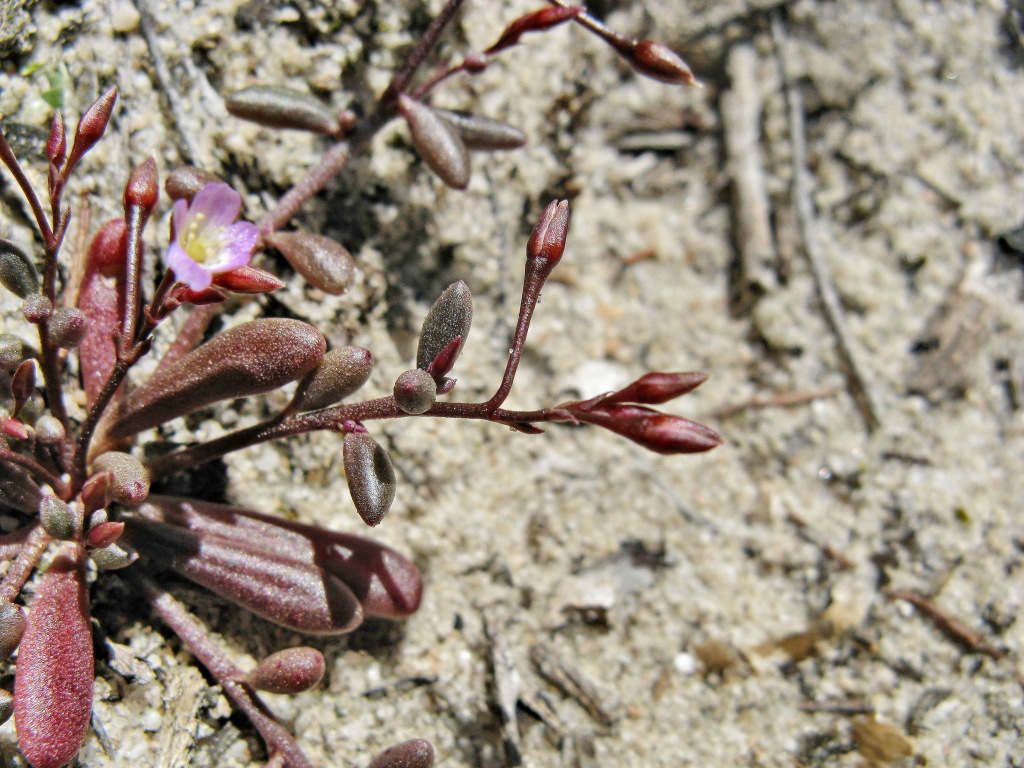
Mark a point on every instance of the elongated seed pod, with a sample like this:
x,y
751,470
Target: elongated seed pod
x,y
323,262
290,671
278,107
54,677
437,142
249,359
449,318
283,590
371,477
483,133
385,582
340,373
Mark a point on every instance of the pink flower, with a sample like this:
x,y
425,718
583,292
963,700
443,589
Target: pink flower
x,y
207,239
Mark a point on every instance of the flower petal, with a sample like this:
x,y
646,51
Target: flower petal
x,y
237,245
185,269
180,219
218,203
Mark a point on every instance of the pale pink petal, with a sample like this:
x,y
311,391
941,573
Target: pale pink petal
x,y
238,241
185,269
218,203
181,217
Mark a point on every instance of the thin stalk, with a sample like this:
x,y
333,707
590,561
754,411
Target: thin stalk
x,y
279,741
532,285
40,472
9,159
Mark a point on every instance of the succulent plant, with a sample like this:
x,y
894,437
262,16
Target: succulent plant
x,y
79,480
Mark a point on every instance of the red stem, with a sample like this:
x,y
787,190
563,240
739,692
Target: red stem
x,y
24,564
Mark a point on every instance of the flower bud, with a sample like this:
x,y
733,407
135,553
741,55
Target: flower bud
x,y
210,295
23,382
14,428
143,187
248,280
183,183
49,429
415,391
13,350
95,493
538,21
323,262
415,753
445,330
483,133
12,627
58,518
279,107
91,127
290,671
57,143
371,477
548,239
68,327
654,431
340,373
36,308
656,388
249,359
104,534
129,479
659,62
437,142
16,271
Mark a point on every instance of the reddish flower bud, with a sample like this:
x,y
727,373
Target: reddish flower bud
x,y
91,127
279,107
95,492
659,62
654,431
183,183
445,329
656,388
143,187
249,280
415,391
23,382
15,429
416,753
371,477
437,142
104,534
548,239
57,143
290,671
538,21
323,262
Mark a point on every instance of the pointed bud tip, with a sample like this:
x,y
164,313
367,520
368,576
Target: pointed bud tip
x,y
143,187
548,239
659,62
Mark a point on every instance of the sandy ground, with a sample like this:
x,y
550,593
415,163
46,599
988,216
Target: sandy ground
x,y
737,608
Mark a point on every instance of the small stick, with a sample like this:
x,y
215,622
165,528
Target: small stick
x,y
808,225
752,229
947,623
780,400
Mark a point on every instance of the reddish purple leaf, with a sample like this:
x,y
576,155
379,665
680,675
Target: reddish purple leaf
x,y
102,301
54,678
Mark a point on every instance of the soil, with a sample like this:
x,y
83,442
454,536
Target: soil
x,y
748,606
